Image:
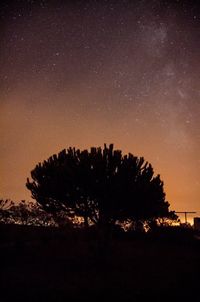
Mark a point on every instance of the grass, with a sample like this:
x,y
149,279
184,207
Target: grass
x,y
47,264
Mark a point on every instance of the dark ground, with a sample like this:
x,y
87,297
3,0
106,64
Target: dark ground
x,y
46,264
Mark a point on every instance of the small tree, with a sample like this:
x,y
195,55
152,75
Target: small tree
x,y
23,212
5,210
100,185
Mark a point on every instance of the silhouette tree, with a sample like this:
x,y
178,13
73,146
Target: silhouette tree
x,y
26,213
101,185
5,210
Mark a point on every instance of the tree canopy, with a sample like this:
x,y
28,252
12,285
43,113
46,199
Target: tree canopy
x,y
99,185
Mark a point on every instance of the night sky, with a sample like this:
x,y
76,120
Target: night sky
x,y
85,73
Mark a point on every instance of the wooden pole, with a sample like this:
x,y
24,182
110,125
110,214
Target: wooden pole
x,y
185,212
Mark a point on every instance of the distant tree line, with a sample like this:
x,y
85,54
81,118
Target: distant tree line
x,y
26,213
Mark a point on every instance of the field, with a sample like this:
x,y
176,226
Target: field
x,y
48,264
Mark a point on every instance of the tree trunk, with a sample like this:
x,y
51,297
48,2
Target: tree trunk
x,y
86,224
104,240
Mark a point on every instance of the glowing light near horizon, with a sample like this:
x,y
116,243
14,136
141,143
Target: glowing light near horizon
x,y
85,73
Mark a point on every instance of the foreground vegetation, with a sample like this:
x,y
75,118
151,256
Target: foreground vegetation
x,y
58,264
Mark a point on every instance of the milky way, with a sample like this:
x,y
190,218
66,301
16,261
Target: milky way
x,y
84,73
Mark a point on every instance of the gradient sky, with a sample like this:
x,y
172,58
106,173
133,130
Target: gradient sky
x,y
85,73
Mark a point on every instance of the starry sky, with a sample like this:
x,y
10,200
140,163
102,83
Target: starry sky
x,y
85,73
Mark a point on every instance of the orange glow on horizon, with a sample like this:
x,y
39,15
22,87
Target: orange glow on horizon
x,y
69,79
